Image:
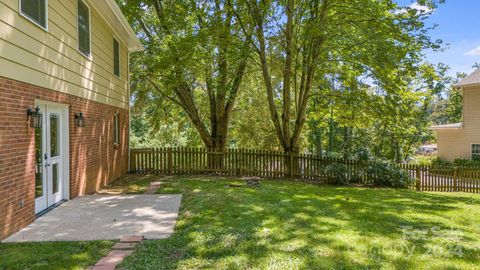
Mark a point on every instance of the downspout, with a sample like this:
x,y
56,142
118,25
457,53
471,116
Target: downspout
x,y
129,115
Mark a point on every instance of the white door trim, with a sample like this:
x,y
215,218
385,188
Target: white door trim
x,y
65,145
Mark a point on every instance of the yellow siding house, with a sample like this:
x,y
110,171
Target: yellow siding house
x,y
462,140
64,103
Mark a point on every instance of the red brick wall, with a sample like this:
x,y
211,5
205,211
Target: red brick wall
x,y
94,160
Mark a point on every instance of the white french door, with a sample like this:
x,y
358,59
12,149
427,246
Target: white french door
x,y
50,141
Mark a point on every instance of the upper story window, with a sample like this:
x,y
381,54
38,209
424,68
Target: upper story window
x,y
116,58
83,28
35,11
475,151
116,129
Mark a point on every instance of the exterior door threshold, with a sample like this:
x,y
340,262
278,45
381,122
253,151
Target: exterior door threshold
x,y
43,212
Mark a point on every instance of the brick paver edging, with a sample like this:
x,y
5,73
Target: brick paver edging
x,y
119,251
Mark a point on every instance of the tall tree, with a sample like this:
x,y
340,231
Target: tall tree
x,y
194,49
296,41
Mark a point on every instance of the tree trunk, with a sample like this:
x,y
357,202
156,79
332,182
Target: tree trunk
x,y
331,131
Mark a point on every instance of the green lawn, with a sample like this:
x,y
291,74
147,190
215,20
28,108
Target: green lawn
x,y
287,225
52,255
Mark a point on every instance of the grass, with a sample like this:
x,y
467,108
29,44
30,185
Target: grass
x,y
288,225
128,185
52,255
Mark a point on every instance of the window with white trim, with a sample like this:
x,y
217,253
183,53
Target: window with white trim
x,y
35,11
83,28
475,151
116,58
116,130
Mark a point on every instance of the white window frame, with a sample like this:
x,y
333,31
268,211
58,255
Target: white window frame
x,y
89,56
116,129
471,151
26,16
119,57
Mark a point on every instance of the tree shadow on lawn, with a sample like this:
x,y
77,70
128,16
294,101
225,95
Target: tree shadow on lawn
x,y
285,225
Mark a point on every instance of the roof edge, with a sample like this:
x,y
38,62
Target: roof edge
x,y
137,45
473,79
113,16
448,126
459,85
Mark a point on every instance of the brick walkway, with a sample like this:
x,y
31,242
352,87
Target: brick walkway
x,y
119,251
154,186
126,245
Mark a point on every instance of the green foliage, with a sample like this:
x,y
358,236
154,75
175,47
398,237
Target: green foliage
x,y
336,174
370,88
466,162
387,175
347,118
440,162
193,65
365,75
447,107
424,160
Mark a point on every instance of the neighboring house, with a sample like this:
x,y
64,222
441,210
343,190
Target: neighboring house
x,y
462,140
69,60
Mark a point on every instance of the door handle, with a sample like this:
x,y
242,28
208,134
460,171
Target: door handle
x,y
46,161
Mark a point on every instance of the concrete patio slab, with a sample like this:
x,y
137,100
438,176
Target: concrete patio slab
x,y
105,217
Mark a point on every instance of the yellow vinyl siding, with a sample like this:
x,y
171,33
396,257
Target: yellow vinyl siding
x,y
52,60
456,143
453,144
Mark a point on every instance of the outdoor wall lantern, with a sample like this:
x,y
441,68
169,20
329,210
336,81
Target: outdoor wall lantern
x,y
79,120
35,117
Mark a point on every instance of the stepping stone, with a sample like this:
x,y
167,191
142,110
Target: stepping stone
x,y
113,258
124,246
103,267
132,239
118,253
152,189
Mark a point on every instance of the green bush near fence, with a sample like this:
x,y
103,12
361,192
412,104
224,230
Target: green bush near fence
x,y
466,162
457,162
336,174
384,174
379,174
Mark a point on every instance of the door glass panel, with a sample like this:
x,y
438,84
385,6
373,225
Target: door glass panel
x,y
39,163
54,178
54,135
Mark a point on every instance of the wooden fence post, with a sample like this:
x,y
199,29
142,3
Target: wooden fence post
x,y
455,179
418,177
292,173
133,163
169,161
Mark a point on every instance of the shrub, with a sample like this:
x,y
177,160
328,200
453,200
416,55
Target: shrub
x,y
336,174
440,162
466,162
364,155
425,160
384,174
